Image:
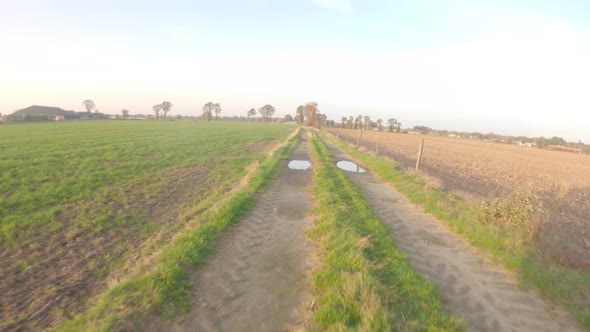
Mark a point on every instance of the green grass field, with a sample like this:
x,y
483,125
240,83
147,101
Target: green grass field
x,y
46,167
83,201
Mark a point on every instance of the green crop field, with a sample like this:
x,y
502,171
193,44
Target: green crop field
x,y
79,201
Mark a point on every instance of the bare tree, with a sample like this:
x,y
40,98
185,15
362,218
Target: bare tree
x,y
299,116
266,112
367,121
311,109
166,106
394,125
125,113
343,119
358,122
380,124
251,113
208,111
157,108
89,105
320,120
217,110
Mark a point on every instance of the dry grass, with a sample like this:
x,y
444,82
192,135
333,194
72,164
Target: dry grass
x,y
487,170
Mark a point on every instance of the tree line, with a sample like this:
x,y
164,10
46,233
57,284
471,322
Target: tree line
x,y
365,122
310,115
266,112
163,107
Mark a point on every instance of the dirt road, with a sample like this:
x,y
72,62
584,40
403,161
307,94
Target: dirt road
x,y
485,296
256,280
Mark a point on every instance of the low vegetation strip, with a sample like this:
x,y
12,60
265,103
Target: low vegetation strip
x,y
503,227
364,282
165,288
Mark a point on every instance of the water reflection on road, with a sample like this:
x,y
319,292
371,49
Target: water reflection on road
x,y
302,165
349,166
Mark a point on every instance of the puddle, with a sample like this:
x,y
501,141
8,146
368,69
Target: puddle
x,y
349,166
299,164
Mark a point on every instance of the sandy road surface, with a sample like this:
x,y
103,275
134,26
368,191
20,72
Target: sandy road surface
x,y
256,280
485,296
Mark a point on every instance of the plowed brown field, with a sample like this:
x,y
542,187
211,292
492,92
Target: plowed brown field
x,y
491,170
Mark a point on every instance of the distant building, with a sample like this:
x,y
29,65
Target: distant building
x,y
565,148
56,118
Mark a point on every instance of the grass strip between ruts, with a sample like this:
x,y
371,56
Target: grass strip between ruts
x,y
364,281
166,288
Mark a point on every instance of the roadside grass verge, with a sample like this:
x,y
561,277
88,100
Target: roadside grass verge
x,y
364,282
164,288
506,228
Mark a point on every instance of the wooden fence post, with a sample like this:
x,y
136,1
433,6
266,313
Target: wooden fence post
x,y
419,156
358,141
338,133
377,149
346,138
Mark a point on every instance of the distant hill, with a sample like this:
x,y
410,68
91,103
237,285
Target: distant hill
x,y
36,110
47,113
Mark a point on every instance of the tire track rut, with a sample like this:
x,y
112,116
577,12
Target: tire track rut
x,y
485,296
256,279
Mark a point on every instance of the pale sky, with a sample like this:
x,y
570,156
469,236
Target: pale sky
x,y
511,67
